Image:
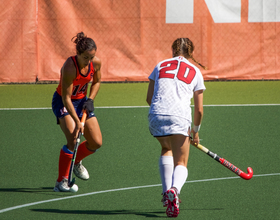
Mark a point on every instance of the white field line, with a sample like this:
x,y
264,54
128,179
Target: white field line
x,y
222,105
120,189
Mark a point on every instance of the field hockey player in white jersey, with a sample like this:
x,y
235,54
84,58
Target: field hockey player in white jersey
x,y
173,83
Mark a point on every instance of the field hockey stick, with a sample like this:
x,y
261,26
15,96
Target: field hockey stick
x,y
227,164
70,180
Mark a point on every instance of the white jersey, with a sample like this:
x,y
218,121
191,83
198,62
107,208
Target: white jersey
x,y
176,80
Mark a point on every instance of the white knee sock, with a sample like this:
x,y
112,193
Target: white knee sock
x,y
166,167
180,175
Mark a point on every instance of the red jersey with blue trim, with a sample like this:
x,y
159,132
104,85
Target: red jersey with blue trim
x,y
80,84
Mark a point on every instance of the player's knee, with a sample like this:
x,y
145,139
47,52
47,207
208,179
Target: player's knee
x,y
94,145
98,144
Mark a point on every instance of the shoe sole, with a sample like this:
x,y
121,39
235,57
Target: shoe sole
x,y
81,177
172,207
55,189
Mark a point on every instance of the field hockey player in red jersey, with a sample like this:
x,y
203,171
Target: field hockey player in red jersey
x,y
173,83
68,103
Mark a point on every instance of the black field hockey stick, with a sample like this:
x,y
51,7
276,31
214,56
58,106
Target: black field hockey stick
x,y
230,166
70,180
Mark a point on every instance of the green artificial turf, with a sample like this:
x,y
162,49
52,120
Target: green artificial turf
x,y
134,94
124,180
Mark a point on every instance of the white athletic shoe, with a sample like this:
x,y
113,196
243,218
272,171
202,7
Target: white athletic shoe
x,y
173,203
80,171
62,186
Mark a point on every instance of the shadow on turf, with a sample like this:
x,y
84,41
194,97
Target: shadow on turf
x,y
157,214
103,212
29,190
41,190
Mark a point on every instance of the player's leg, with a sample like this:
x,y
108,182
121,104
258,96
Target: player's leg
x,y
93,136
158,128
67,125
166,165
180,149
92,133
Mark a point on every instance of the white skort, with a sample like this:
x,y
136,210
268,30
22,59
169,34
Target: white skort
x,y
164,125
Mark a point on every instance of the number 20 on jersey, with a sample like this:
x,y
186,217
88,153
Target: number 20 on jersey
x,y
185,72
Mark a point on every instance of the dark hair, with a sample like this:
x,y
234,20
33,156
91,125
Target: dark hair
x,y
185,47
83,43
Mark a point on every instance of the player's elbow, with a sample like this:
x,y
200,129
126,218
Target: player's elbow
x,y
199,111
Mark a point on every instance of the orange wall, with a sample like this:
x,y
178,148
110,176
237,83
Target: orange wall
x,y
132,37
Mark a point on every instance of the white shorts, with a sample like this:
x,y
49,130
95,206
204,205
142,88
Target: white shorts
x,y
163,125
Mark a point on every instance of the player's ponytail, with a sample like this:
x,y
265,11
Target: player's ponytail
x,y
83,43
184,47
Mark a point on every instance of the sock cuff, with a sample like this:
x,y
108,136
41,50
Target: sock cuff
x,y
181,167
82,152
66,150
84,148
166,160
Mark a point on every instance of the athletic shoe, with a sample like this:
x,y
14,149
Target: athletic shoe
x,y
164,200
80,171
173,203
62,186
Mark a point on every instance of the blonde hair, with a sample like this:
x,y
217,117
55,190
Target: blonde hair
x,y
184,47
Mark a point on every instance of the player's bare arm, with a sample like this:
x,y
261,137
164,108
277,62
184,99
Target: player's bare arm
x,y
198,107
96,78
198,114
150,92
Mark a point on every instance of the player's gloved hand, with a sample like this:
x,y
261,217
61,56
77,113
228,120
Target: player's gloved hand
x,y
88,105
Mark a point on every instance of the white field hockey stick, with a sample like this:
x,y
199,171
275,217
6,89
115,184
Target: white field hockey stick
x,y
70,180
227,164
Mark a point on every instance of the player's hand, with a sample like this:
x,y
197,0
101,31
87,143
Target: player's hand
x,y
79,128
88,105
195,138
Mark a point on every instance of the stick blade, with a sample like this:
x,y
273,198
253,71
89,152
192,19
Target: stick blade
x,y
248,175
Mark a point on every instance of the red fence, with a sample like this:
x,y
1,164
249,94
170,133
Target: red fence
x,y
236,40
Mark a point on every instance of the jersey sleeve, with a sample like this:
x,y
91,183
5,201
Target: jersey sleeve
x,y
200,82
153,74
